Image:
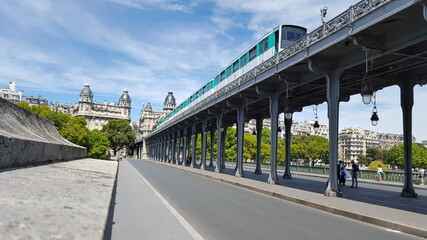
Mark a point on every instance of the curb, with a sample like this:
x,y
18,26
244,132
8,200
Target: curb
x,y
323,207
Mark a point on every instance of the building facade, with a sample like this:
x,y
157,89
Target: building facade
x,y
148,120
98,114
12,95
353,142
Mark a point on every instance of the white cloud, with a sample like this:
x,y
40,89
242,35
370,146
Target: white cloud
x,y
172,5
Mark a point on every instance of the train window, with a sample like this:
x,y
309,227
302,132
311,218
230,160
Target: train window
x,y
263,45
222,76
276,41
292,34
243,60
235,66
217,80
252,54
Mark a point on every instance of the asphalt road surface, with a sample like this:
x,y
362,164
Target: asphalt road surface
x,y
221,211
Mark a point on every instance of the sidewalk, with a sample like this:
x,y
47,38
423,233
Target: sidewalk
x,y
140,213
373,202
63,200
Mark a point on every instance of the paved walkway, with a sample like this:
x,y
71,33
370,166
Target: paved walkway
x,y
373,202
142,213
63,200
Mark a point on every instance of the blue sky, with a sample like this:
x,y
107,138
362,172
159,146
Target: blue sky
x,y
150,47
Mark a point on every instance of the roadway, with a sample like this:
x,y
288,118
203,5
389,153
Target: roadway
x,y
217,210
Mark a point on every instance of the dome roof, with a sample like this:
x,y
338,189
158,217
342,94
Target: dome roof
x,y
170,99
125,96
148,108
86,90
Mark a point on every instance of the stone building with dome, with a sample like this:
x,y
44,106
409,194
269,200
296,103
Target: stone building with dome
x,y
148,119
98,114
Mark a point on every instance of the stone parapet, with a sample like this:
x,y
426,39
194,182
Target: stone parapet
x,y
26,138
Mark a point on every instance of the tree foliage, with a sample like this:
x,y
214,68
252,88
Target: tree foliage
x,y
374,165
395,156
99,144
119,133
74,130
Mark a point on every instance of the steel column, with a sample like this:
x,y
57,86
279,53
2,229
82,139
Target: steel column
x,y
258,145
194,143
204,145
220,128
184,150
333,95
407,102
212,147
288,125
274,114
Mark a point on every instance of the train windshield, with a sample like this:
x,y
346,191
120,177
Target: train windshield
x,y
291,34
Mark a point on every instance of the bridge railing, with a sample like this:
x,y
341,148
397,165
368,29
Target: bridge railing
x,y
391,176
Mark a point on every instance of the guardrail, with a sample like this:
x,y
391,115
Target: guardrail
x,y
391,176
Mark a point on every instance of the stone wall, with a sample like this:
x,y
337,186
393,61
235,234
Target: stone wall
x,y
26,138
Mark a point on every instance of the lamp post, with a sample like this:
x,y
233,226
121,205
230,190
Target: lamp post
x,y
288,112
366,94
374,117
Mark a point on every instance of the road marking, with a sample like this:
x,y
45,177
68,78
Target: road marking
x,y
392,230
179,217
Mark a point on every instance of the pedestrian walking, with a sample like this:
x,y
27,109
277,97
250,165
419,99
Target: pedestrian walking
x,y
354,173
380,173
422,173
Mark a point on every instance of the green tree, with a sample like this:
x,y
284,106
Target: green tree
x,y
395,156
249,147
373,154
24,105
231,144
75,131
318,148
374,166
119,133
98,144
361,159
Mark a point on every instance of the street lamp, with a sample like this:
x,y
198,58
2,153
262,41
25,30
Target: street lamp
x,y
374,117
366,93
288,112
316,125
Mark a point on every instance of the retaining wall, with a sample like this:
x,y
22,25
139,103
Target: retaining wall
x,y
26,138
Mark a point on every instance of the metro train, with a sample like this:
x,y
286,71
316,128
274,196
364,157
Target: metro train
x,y
270,44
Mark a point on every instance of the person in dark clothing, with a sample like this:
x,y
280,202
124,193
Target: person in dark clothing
x,y
354,173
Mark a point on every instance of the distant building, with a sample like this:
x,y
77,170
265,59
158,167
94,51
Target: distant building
x,y
98,114
353,142
64,108
149,117
147,121
12,95
298,128
390,140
